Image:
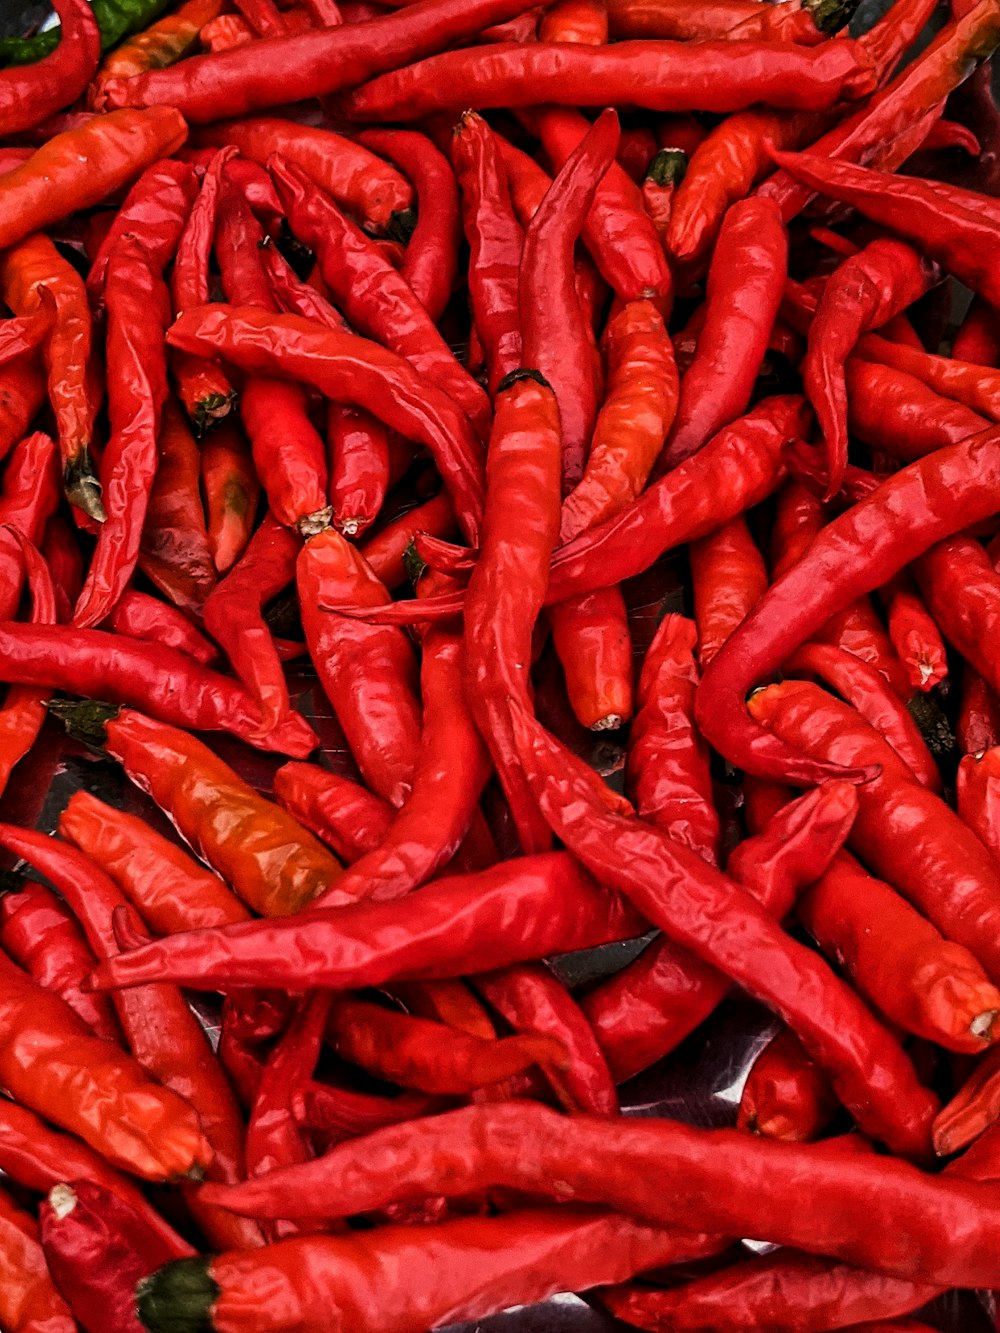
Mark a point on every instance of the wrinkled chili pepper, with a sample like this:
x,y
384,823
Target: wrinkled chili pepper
x,y
22,392
961,589
892,411
346,816
591,637
170,889
29,1299
659,186
161,44
386,550
704,22
143,617
915,635
232,492
729,578
785,1096
30,94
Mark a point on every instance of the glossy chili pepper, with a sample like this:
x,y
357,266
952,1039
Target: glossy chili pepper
x,y
341,1113
31,274
171,890
862,686
659,186
369,673
517,911
386,550
143,617
30,94
785,1096
163,1034
478,1264
174,550
583,21
359,468
232,492
891,1102
973,1109
495,240
161,44
591,636
729,578
976,791
29,1299
362,183
905,833
271,862
961,590
860,550
431,259
746,282
97,1248
958,223
77,169
914,633
964,381
641,397
202,385
661,76
23,711
288,451
40,933
721,18
348,369
22,392
376,300
52,1064
234,83
28,498
619,234
977,338
346,816
892,411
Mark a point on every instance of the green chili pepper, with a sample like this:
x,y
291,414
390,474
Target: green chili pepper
x,y
115,18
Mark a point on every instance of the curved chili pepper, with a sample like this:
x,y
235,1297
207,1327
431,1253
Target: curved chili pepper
x,y
977,338
974,1108
97,1248
28,499
346,816
40,934
807,23
963,381
729,579
575,21
161,44
914,634
23,712
961,589
431,259
651,867
31,274
232,493
174,550
745,285
785,1096
478,1265
30,94
862,686
976,791
28,1297
640,399
927,984
939,495
369,673
662,76
892,411
362,183
140,616
387,549
905,833
517,911
348,369
373,296
162,1033
359,468
170,889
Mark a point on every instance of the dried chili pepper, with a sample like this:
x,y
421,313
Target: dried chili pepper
x,y
29,95
785,1096
915,636
704,22
143,617
171,890
659,186
729,578
22,392
156,47
346,816
232,492
28,1297
892,411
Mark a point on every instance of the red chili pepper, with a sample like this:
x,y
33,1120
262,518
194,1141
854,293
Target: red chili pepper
x,y
28,499
914,634
583,21
161,44
517,911
346,816
170,889
22,392
896,413
360,182
97,1248
369,673
40,934
348,369
387,549
28,1297
376,300
232,492
729,578
662,76
963,381
961,589
140,616
973,1109
659,186
359,468
785,1096
688,20
591,636
977,338
31,93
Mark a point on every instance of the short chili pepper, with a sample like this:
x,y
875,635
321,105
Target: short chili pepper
x,y
143,617
97,1248
54,1065
785,1096
231,491
575,21
360,181
644,1011
891,1102
171,890
29,1299
516,911
591,636
236,831
386,550
659,186
661,76
374,297
343,814
857,552
480,1263
30,273
40,933
369,673
962,593
729,578
30,94
161,44
348,369
914,633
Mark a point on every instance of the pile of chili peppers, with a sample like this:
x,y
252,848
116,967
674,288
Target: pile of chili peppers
x,y
484,482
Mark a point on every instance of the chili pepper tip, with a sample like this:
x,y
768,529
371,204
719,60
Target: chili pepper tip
x,y
86,721
82,487
523,373
831,15
178,1298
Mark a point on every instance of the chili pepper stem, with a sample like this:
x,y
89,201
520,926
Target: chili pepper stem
x,y
62,1200
982,1024
82,487
85,722
178,1298
211,410
401,225
610,723
831,15
311,525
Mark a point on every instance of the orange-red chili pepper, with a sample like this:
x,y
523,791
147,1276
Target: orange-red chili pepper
x,y
232,492
961,590
350,819
575,21
161,44
729,578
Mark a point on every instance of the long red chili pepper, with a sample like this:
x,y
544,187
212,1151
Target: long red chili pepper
x,y
964,381
895,412
33,92
703,22
785,1096
961,590
161,44
143,617
591,636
